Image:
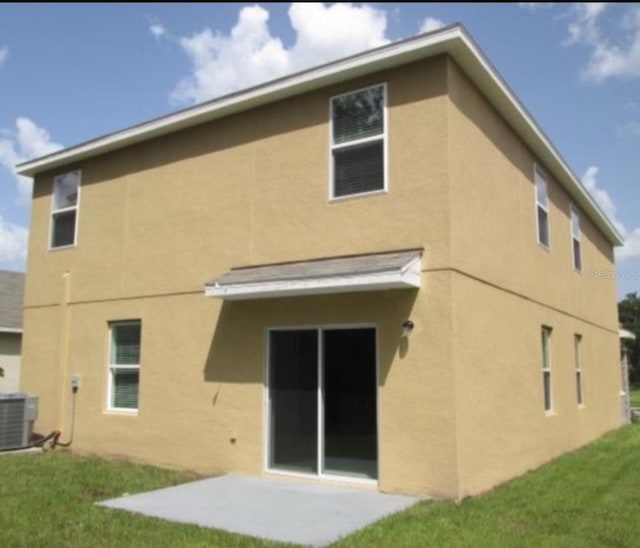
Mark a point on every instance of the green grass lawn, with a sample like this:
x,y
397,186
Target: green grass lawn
x,y
589,498
585,499
635,396
48,500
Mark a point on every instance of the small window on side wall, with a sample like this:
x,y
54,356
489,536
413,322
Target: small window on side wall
x,y
546,369
64,209
358,142
577,344
124,366
542,208
575,239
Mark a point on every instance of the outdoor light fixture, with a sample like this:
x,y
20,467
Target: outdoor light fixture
x,y
407,328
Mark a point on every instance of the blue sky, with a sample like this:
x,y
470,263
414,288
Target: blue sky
x,y
69,73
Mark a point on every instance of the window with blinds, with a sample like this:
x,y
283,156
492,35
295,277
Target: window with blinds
x,y
358,142
124,365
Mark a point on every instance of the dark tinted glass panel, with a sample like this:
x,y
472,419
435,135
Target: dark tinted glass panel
x,y
293,391
358,169
63,231
350,424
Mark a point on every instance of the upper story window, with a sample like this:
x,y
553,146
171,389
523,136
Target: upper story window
x,y
575,239
64,209
542,207
358,130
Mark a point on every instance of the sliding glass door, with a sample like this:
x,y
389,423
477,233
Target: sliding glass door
x,y
293,390
322,402
350,425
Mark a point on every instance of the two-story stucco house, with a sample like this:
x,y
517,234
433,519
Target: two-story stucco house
x,y
376,270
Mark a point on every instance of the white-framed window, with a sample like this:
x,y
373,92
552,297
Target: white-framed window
x,y
577,342
64,210
546,368
124,365
358,142
575,239
542,207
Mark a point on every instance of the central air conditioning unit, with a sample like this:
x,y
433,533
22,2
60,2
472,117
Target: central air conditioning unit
x,y
18,411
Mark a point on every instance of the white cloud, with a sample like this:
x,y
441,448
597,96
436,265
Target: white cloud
x,y
533,6
221,64
27,141
629,128
584,27
589,180
4,54
158,30
329,32
13,244
631,248
431,24
250,54
614,54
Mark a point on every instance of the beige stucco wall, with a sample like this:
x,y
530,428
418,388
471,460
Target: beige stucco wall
x,y
159,219
502,427
493,223
202,380
165,216
10,344
505,287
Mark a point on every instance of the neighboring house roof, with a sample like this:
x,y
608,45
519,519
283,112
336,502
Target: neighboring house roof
x,y
11,296
393,270
453,40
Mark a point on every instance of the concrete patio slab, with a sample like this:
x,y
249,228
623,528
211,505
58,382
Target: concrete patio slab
x,y
308,514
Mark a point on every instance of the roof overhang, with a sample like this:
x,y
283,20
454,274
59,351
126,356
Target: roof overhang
x,y
10,330
625,334
452,40
375,272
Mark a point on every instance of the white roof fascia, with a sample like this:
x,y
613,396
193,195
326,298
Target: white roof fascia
x,y
625,334
10,330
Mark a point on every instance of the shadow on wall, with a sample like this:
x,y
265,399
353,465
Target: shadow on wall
x,y
238,349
